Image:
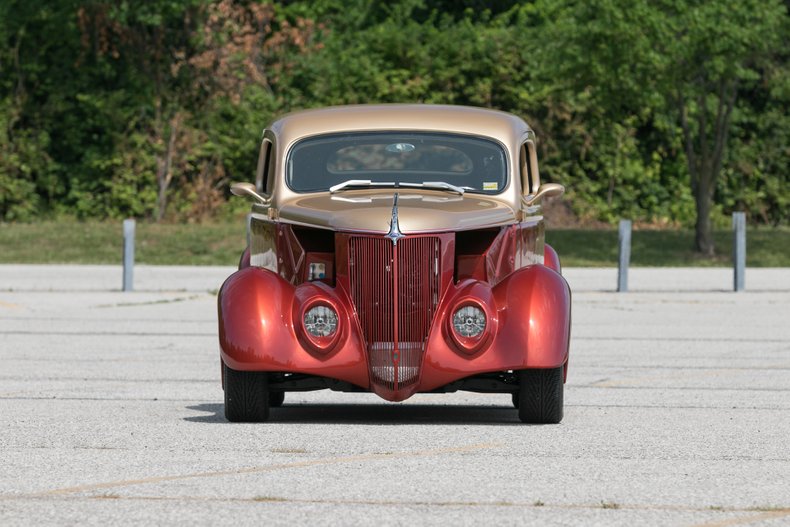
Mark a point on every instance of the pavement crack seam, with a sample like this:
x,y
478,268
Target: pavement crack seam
x,y
755,514
106,333
266,468
745,520
148,302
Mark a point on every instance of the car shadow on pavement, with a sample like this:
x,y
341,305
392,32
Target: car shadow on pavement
x,y
373,414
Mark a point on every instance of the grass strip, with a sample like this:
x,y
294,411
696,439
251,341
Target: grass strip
x,y
765,247
93,242
102,243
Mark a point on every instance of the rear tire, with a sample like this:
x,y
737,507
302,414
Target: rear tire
x,y
246,396
514,396
276,399
540,396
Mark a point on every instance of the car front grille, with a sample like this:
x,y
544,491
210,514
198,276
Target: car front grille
x,y
395,290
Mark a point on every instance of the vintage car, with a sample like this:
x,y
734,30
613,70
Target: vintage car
x,y
396,249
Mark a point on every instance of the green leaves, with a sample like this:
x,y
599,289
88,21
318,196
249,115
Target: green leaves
x,y
670,71
630,98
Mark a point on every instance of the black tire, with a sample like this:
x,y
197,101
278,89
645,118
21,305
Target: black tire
x,y
515,399
246,396
276,399
540,396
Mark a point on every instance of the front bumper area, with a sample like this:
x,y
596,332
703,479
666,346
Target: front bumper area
x,y
260,330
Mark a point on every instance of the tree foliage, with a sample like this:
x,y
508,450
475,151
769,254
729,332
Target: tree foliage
x,y
665,112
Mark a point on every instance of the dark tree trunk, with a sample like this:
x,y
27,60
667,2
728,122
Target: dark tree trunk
x,y
164,167
703,234
704,155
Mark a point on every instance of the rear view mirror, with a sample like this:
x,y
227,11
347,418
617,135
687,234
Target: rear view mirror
x,y
547,190
247,189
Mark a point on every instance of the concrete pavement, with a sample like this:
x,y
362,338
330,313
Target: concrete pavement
x,y
677,413
108,278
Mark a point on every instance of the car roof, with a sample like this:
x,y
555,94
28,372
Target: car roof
x,y
504,127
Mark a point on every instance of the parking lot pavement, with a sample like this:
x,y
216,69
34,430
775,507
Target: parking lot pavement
x,y
107,278
677,413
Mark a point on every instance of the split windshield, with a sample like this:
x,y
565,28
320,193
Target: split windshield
x,y
472,163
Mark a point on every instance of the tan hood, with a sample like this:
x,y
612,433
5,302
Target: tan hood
x,y
418,211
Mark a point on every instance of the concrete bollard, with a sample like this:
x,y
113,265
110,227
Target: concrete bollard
x,y
128,254
624,259
739,250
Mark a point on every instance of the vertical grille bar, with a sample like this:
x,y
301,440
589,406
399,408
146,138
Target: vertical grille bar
x,y
395,290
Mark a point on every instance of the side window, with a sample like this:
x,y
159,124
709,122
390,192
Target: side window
x,y
270,166
262,179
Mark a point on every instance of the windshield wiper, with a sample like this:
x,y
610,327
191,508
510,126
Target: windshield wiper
x,y
433,185
360,183
438,185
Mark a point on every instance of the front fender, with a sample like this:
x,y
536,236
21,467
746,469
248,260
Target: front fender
x,y
535,320
259,328
532,317
551,259
244,259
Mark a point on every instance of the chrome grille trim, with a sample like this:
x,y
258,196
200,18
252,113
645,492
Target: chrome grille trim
x,y
395,290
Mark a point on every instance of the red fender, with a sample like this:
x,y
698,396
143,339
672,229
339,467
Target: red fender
x,y
244,260
537,317
551,259
530,312
259,328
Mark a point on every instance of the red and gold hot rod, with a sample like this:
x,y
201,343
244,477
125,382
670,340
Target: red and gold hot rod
x,y
396,249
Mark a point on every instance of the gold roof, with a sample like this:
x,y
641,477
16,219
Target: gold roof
x,y
506,128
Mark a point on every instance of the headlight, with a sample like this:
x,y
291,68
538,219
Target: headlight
x,y
320,321
469,322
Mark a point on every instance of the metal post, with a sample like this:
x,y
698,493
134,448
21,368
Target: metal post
x,y
128,254
624,238
739,250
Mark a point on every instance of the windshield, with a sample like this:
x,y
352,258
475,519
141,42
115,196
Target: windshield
x,y
472,163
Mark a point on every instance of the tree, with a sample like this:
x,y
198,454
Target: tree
x,y
716,50
663,111
148,45
30,54
688,60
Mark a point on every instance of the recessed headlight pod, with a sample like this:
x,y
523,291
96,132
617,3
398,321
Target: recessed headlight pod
x,y
320,325
470,325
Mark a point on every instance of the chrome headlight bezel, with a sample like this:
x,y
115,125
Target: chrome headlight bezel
x,y
321,336
470,336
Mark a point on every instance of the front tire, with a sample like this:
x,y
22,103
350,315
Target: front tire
x,y
540,396
246,396
276,399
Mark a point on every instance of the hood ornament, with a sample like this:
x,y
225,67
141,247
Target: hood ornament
x,y
395,234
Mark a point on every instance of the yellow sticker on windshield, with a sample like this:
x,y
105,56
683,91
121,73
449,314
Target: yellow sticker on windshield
x,y
489,185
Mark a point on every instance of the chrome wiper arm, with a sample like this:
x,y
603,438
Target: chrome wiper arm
x,y
437,185
433,185
349,183
360,183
